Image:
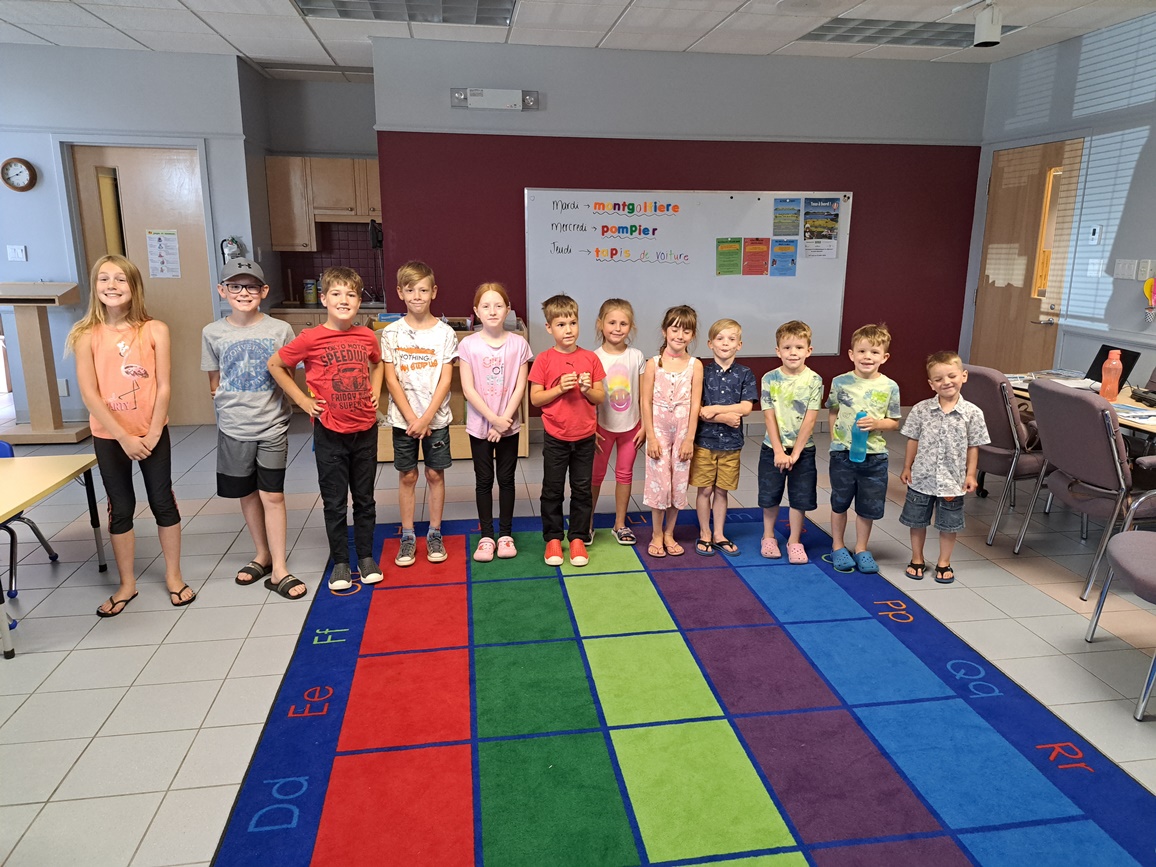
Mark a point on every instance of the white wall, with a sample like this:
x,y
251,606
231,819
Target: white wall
x,y
1101,87
669,95
321,118
55,96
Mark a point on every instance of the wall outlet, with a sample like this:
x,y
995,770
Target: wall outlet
x,y
1125,269
17,253
62,387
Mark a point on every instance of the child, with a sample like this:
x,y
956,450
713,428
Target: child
x,y
252,421
419,350
566,382
671,395
122,367
343,371
619,419
791,397
937,477
494,365
864,389
729,393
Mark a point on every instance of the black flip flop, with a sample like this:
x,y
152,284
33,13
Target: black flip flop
x,y
704,547
175,597
913,565
114,611
255,571
940,570
282,587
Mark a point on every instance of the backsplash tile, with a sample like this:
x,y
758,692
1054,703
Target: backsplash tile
x,y
344,244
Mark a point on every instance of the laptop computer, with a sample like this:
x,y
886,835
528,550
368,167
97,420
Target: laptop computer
x,y
1128,358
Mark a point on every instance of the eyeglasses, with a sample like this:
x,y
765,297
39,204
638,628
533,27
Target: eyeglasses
x,y
238,288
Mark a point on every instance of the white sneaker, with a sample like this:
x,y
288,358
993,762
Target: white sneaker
x,y
506,548
485,551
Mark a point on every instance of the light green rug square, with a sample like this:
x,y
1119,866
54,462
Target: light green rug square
x,y
616,604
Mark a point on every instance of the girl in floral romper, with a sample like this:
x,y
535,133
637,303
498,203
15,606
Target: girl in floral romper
x,y
671,394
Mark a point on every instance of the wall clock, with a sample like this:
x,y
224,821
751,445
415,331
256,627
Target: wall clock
x,y
18,174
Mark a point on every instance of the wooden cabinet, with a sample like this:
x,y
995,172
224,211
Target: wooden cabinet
x,y
291,225
372,186
345,190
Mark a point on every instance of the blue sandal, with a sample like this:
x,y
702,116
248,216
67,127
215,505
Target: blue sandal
x,y
841,560
866,563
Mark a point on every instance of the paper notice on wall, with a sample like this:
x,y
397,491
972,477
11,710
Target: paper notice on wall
x,y
821,228
164,253
728,257
784,251
787,216
756,255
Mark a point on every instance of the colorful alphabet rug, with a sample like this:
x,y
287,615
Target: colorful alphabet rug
x,y
675,710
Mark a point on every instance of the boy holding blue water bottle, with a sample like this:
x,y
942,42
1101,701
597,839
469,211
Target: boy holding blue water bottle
x,y
862,402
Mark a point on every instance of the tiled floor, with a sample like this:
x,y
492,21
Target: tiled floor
x,y
123,741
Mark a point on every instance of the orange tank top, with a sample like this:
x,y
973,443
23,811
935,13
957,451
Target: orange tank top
x,y
126,374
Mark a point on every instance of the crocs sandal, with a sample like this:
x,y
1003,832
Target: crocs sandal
x,y
911,567
704,547
797,554
255,571
866,563
841,560
727,547
939,573
769,548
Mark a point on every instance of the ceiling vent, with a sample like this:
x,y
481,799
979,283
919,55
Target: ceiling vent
x,y
495,13
871,31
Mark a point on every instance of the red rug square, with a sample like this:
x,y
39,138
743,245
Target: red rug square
x,y
417,618
449,571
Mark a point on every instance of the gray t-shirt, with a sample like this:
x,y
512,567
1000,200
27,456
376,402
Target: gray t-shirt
x,y
249,404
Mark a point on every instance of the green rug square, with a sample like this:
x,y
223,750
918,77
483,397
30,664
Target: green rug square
x,y
606,555
531,689
648,678
526,610
616,604
695,793
552,800
530,562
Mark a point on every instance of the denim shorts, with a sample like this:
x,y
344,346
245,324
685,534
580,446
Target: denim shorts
x,y
865,483
917,510
799,483
435,449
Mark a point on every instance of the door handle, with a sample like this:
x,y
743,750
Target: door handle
x,y
1048,321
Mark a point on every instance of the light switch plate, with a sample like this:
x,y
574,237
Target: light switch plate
x,y
1146,269
17,253
1125,269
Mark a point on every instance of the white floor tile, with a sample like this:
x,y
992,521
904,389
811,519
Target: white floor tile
x,y
94,669
14,821
1111,727
1123,670
211,624
28,670
33,771
126,765
1057,679
1002,639
102,831
54,716
197,660
218,756
265,656
1022,601
144,627
242,701
185,829
949,604
162,707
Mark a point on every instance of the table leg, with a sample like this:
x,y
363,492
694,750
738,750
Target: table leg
x,y
94,519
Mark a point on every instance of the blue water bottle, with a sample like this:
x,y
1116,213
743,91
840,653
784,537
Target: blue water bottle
x,y
858,440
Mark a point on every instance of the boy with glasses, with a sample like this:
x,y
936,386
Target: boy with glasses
x,y
252,420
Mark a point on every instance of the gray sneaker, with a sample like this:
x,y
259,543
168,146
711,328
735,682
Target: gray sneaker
x,y
370,571
435,549
340,578
407,553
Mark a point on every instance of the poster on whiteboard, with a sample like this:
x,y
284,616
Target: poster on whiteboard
x,y
723,253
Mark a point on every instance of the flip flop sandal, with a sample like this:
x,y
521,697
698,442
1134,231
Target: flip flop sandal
x,y
913,565
939,572
113,611
866,563
703,547
727,547
674,549
282,587
175,597
255,571
841,560
656,550
625,536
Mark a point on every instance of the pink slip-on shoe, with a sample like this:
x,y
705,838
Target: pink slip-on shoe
x,y
485,551
506,548
796,553
769,548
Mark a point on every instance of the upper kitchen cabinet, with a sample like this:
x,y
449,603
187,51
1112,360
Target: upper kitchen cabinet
x,y
345,190
291,225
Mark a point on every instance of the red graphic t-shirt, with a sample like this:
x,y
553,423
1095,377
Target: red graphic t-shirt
x,y
570,417
337,371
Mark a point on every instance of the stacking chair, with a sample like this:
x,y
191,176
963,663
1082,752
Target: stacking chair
x,y
1085,461
1011,452
14,547
1131,556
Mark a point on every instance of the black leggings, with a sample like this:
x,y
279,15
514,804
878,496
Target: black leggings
x,y
116,473
486,454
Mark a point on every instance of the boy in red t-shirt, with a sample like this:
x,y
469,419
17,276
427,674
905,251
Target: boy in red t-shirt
x,y
566,382
344,371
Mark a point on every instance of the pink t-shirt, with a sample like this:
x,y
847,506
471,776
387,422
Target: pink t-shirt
x,y
495,372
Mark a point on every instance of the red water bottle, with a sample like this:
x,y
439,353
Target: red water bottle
x,y
1110,376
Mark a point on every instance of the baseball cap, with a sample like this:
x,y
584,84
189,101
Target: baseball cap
x,y
237,267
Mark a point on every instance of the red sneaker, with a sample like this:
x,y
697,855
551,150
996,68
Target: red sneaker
x,y
554,552
578,553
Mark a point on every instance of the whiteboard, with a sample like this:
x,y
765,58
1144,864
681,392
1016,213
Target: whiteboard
x,y
661,248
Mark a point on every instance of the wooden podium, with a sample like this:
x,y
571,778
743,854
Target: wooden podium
x,y
31,301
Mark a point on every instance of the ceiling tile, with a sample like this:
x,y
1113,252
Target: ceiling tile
x,y
244,7
45,12
168,20
257,26
822,49
670,21
1097,15
650,41
575,38
790,27
350,53
305,75
458,32
347,30
889,10
85,37
727,6
905,52
12,33
825,9
1020,12
565,16
140,4
196,43
284,50
737,42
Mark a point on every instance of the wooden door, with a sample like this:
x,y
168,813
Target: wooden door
x,y
1030,219
334,184
159,189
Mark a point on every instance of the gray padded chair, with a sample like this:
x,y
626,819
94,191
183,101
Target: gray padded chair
x,y
1131,555
1011,452
1086,461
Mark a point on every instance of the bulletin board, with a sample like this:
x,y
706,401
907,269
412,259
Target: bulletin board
x,y
762,258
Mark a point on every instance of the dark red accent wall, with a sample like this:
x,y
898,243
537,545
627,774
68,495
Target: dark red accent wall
x,y
457,202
